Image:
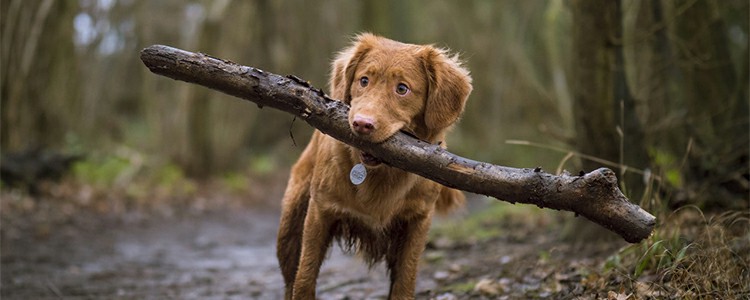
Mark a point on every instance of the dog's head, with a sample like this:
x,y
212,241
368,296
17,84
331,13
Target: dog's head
x,y
393,86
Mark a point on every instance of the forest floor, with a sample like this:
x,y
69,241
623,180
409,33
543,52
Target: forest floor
x,y
218,246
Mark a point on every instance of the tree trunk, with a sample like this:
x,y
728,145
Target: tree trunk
x,y
716,102
594,107
388,18
594,195
34,80
604,109
632,148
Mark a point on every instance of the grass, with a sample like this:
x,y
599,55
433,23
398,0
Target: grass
x,y
496,220
461,287
125,180
690,255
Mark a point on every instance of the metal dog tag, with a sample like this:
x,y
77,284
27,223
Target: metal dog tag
x,y
357,174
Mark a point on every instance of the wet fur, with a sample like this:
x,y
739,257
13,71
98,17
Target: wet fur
x,y
388,216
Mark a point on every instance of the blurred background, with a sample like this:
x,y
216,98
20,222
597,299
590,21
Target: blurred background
x,y
110,173
656,89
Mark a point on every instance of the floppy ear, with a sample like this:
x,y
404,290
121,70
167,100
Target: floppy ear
x,y
345,64
449,86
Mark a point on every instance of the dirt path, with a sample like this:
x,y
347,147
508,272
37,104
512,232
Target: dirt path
x,y
230,254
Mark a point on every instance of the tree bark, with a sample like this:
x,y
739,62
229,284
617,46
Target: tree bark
x,y
592,81
38,88
595,195
714,97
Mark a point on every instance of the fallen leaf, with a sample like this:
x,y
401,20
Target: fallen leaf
x,y
612,295
488,287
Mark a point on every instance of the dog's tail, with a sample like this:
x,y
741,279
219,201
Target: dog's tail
x,y
449,200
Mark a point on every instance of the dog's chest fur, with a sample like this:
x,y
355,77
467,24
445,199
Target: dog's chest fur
x,y
386,194
371,216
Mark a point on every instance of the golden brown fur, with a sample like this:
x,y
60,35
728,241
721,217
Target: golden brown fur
x,y
386,217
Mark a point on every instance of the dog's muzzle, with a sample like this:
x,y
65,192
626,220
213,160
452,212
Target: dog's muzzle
x,y
368,159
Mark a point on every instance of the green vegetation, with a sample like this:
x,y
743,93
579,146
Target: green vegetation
x,y
104,172
498,219
462,287
236,182
692,255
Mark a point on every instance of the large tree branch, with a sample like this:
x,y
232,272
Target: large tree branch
x,y
595,195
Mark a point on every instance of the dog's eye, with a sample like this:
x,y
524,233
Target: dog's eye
x,y
364,81
402,89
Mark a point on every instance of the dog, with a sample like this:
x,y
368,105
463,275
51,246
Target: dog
x,y
390,87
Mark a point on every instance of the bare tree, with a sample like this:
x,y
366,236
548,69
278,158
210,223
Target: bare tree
x,y
604,110
37,84
713,94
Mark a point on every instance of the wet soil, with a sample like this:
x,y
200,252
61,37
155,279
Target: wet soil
x,y
218,255
230,254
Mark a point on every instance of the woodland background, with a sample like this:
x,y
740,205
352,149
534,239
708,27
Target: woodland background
x,y
655,90
655,85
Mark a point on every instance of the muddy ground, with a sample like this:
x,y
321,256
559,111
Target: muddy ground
x,y
229,253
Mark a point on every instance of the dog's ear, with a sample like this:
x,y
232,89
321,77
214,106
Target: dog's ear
x,y
345,64
449,86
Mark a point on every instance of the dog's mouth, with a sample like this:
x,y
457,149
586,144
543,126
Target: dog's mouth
x,y
372,161
369,160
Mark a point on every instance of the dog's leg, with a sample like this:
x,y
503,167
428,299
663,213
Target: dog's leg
x,y
289,242
403,256
316,239
293,213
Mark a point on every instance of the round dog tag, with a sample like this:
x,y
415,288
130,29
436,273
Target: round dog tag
x,y
357,174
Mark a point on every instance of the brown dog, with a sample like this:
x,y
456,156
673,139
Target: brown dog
x,y
390,86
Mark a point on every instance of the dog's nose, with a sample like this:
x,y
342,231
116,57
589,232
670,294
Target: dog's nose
x,y
363,125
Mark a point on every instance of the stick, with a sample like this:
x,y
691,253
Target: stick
x,y
594,195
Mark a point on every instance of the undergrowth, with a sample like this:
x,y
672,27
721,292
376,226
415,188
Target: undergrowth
x,y
497,219
690,255
128,181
